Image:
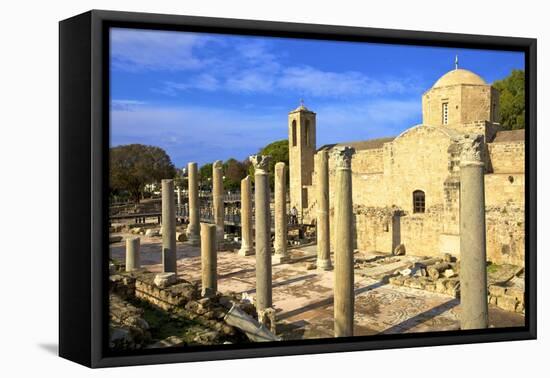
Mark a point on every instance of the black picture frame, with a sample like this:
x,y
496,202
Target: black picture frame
x,y
83,167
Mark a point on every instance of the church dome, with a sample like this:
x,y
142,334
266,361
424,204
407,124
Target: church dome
x,y
457,77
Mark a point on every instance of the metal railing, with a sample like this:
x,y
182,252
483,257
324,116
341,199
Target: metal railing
x,y
232,217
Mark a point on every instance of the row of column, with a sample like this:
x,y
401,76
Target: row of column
x,y
474,308
210,234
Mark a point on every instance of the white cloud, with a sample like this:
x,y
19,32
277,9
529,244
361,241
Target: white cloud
x,y
365,119
303,81
135,50
125,105
203,134
197,133
204,82
314,82
237,65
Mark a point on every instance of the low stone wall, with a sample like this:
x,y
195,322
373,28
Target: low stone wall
x,y
127,329
182,300
448,286
165,298
503,290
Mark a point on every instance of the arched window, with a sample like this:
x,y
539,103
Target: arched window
x,y
293,133
419,201
307,133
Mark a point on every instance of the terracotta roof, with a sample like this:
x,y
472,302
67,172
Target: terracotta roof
x,y
509,136
369,144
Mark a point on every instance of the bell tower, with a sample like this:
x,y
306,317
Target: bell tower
x,y
301,149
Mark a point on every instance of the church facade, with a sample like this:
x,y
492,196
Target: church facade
x,y
406,188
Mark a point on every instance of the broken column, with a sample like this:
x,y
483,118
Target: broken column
x,y
343,251
473,271
168,226
323,230
132,254
263,233
209,260
281,221
246,218
193,195
217,199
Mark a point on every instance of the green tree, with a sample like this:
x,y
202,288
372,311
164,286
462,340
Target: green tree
x,y
512,100
279,153
205,176
133,166
234,172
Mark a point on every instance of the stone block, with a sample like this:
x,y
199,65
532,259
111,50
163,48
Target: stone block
x,y
181,236
440,285
507,303
164,280
417,284
430,287
152,232
520,307
497,291
449,273
515,292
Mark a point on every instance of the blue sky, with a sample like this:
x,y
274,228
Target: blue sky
x,y
204,97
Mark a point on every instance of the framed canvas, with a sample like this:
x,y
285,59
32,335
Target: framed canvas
x,y
234,188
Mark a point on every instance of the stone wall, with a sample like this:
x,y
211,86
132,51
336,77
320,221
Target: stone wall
x,y
466,103
426,158
420,233
507,157
505,226
369,161
373,228
502,189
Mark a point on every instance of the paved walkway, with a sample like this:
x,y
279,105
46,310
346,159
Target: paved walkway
x,y
303,298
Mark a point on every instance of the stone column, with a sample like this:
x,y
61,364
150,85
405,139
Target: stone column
x,y
281,221
132,254
344,296
263,233
209,262
193,193
246,218
168,227
323,225
473,270
217,199
178,198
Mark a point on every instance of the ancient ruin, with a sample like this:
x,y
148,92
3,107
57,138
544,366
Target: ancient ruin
x,y
414,233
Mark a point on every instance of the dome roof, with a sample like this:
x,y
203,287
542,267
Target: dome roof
x,y
457,77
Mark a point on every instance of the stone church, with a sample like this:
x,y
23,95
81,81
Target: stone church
x,y
406,187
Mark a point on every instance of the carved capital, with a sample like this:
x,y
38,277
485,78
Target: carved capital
x,y
471,150
260,163
217,164
342,156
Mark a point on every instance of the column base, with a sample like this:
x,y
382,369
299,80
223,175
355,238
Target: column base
x,y
208,292
245,252
280,259
193,240
267,318
324,264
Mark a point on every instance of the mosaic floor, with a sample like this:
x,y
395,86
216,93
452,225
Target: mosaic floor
x,y
303,298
